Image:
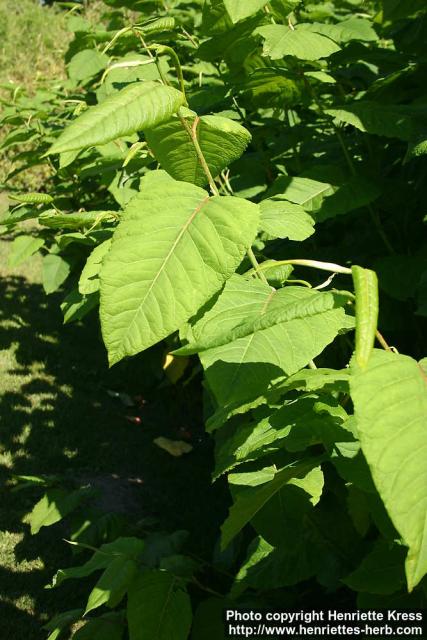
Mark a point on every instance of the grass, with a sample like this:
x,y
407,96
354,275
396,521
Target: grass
x,y
33,40
57,418
55,413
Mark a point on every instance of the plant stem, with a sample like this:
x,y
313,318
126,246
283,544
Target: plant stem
x,y
256,266
192,132
162,48
382,341
316,264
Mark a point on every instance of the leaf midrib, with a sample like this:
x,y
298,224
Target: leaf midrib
x,y
163,265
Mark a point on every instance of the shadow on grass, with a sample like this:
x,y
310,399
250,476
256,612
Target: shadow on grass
x,y
57,418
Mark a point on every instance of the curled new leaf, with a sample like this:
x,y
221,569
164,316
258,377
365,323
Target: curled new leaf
x,y
366,288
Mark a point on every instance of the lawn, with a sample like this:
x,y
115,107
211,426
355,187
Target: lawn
x,y
57,413
57,418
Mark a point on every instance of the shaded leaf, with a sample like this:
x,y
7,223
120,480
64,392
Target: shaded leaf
x,y
390,398
55,271
113,584
280,41
158,608
381,571
23,247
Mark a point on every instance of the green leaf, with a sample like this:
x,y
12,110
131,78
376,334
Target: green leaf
x,y
295,426
138,106
396,9
55,271
353,194
107,627
367,306
283,519
32,198
89,278
391,121
61,621
282,219
390,402
252,501
86,64
76,306
173,249
129,548
306,192
23,247
381,571
53,506
267,567
113,584
222,141
272,86
253,478
241,9
55,220
280,41
158,608
345,31
418,147
208,623
245,368
283,305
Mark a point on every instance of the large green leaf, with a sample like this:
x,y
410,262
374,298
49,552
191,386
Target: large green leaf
x,y
158,608
267,567
53,506
390,398
280,41
323,199
282,219
62,621
381,571
76,306
55,271
345,31
241,9
391,121
353,194
283,305
173,249
396,9
129,548
107,627
89,278
298,424
222,141
23,247
86,64
208,622
252,500
283,518
245,368
113,584
306,192
139,106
